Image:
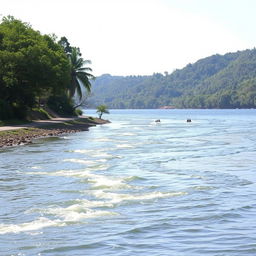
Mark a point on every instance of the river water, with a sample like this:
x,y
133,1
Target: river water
x,y
135,187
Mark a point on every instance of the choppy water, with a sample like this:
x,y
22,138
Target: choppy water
x,y
134,187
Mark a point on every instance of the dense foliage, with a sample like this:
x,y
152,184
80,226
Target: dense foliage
x,y
32,65
218,81
37,71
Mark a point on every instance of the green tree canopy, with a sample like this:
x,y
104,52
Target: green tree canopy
x,y
33,66
102,109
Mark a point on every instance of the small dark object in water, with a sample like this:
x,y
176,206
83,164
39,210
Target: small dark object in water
x,y
158,121
189,120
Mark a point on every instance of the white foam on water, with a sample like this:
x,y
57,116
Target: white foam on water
x,y
116,125
197,176
37,224
64,216
88,169
87,162
36,167
96,180
118,198
101,181
93,153
100,167
76,212
94,203
67,173
124,146
102,154
81,173
103,140
203,187
83,151
38,173
71,173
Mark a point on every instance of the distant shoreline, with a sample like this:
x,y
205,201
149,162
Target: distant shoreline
x,y
19,135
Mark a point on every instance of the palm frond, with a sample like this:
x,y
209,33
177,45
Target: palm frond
x,y
90,76
87,62
84,69
80,74
78,63
85,81
83,74
79,90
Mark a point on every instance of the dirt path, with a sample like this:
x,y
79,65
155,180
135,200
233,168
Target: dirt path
x,y
38,123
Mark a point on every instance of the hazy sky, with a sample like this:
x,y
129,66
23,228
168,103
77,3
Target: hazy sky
x,y
138,37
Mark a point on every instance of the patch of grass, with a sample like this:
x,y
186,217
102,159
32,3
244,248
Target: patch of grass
x,y
38,113
69,123
79,121
19,132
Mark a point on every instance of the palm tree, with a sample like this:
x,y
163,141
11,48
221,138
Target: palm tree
x,y
79,74
102,109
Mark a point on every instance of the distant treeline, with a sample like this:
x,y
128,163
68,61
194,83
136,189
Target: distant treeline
x,y
218,81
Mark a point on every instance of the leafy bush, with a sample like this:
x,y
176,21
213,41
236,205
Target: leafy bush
x,y
79,112
38,114
62,105
102,109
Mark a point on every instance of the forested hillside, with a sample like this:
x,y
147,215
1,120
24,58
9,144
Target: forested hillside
x,y
218,81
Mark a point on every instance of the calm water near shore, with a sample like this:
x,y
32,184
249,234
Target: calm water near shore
x,y
135,187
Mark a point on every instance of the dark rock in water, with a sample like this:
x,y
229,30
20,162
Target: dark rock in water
x,y
158,121
189,120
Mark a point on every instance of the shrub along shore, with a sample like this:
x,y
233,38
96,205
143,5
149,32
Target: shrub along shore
x,y
26,135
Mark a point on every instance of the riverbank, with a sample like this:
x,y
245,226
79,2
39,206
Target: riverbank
x,y
25,134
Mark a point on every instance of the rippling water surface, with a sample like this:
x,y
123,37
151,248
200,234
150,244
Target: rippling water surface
x,y
135,187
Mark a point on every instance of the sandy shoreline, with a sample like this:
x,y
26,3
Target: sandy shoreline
x,y
25,135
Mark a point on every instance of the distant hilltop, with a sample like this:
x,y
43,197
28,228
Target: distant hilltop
x,y
218,81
